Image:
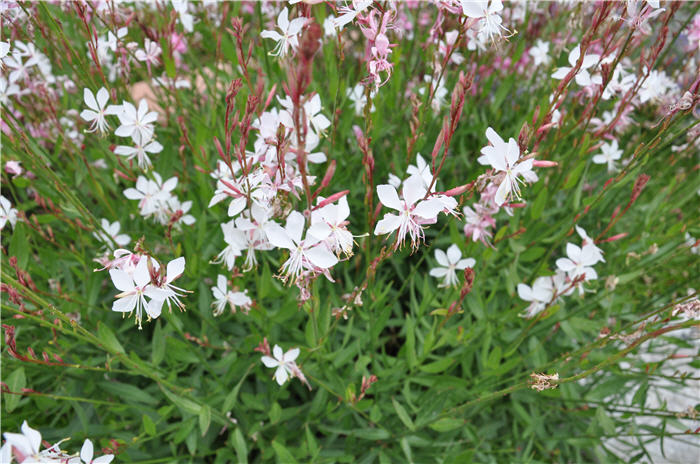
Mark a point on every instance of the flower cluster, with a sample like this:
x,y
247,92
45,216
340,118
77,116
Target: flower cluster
x,y
157,200
571,273
143,285
25,448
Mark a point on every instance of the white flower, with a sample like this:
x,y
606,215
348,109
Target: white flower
x,y
691,242
186,19
110,234
422,170
97,110
284,362
140,150
7,90
87,452
25,447
450,262
579,262
587,241
544,291
169,292
288,37
329,224
134,290
583,77
655,86
222,297
503,157
487,13
136,121
359,99
153,195
307,254
413,211
236,242
610,153
540,53
7,213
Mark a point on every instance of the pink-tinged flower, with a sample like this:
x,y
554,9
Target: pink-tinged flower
x,y
503,157
284,362
413,211
97,110
135,121
288,38
25,448
609,154
450,262
134,291
149,54
7,213
223,297
583,77
307,254
14,168
329,224
479,221
638,15
349,13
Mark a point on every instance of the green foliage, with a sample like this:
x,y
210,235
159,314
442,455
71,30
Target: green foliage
x,y
452,386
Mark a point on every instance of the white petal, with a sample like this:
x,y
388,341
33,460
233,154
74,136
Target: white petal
x,y
438,272
277,236
87,451
453,254
291,355
90,100
125,304
441,258
388,224
269,362
102,97
33,435
123,281
388,196
278,353
321,257
175,268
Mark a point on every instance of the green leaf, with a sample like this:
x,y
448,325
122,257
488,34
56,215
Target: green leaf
x,y
283,454
15,382
446,424
19,245
605,421
532,254
372,434
275,412
148,426
437,366
158,344
184,404
204,419
240,446
108,339
403,415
